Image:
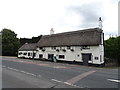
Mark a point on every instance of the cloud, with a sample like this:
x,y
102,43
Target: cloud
x,y
35,17
90,13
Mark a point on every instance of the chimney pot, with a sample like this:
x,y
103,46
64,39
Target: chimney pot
x,y
51,31
100,23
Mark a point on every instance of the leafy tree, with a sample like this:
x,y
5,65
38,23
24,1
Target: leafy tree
x,y
31,40
112,49
10,42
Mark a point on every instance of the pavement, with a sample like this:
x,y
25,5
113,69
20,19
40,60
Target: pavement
x,y
25,73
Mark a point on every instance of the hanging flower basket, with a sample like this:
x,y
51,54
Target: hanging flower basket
x,y
43,50
64,50
72,50
57,50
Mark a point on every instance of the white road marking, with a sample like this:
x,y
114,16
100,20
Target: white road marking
x,y
72,84
23,72
65,83
114,80
39,75
13,69
56,80
28,73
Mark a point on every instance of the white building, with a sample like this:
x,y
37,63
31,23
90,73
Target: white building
x,y
82,46
27,50
85,46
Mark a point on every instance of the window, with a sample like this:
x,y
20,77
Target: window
x,y
90,57
53,48
68,47
20,53
40,56
43,49
85,47
61,56
96,58
34,54
28,54
25,53
78,55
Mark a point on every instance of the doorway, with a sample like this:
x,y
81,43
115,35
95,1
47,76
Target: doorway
x,y
50,56
86,58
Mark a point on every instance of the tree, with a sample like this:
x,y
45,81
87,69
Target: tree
x,y
30,40
10,42
112,49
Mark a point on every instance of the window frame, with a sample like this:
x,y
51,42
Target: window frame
x,y
20,53
40,56
96,58
25,53
68,47
29,54
61,56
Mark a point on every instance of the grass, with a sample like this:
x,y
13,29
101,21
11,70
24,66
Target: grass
x,y
112,66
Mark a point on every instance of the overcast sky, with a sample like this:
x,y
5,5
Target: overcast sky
x,y
30,18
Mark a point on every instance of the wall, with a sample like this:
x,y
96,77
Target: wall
x,y
96,51
76,55
25,56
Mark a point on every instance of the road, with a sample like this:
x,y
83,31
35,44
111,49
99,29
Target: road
x,y
24,73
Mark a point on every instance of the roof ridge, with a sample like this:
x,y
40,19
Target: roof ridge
x,y
69,32
91,36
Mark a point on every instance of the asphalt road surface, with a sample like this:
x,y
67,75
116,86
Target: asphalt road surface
x,y
25,73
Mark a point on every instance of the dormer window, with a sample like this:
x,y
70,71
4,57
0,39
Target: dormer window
x,y
42,49
53,48
68,47
85,47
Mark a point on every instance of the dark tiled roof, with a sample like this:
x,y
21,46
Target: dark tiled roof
x,y
28,47
76,38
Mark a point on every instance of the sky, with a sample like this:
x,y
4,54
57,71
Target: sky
x,y
28,18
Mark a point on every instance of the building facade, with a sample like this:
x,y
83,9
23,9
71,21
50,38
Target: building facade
x,y
85,46
27,50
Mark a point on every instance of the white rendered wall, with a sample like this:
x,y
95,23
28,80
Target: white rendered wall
x,y
26,56
96,51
